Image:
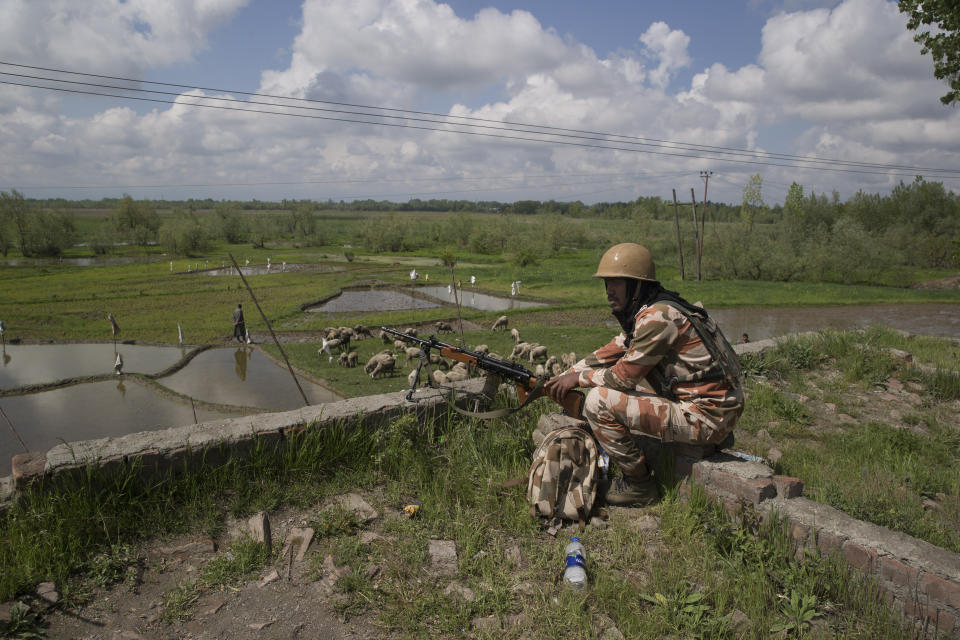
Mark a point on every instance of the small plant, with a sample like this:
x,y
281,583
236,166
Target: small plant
x,y
23,624
798,611
178,602
684,609
335,521
118,564
245,557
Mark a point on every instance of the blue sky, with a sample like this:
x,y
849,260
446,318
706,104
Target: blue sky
x,y
804,78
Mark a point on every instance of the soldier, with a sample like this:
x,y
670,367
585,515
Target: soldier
x,y
659,377
239,326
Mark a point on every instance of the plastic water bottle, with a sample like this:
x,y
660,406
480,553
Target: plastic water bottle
x,y
575,573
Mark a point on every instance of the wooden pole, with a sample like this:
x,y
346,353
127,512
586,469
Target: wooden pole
x,y
277,342
696,230
676,220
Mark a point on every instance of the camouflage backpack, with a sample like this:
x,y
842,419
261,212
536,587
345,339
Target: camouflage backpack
x,y
562,484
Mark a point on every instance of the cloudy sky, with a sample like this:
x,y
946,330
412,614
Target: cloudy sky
x,y
470,99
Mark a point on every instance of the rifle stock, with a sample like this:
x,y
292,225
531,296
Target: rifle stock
x,y
529,387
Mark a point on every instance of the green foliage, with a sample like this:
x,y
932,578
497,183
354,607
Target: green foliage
x,y
245,557
186,234
335,521
23,624
942,43
136,222
526,257
797,610
684,609
117,564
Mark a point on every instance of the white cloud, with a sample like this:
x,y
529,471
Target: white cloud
x,y
820,70
107,35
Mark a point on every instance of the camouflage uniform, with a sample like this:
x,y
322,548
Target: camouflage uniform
x,y
629,398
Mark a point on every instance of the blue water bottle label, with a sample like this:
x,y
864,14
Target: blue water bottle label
x,y
575,560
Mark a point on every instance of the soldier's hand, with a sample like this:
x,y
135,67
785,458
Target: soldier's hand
x,y
558,387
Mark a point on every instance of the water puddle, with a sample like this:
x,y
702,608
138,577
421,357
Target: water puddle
x,y
74,262
243,376
482,301
372,300
260,270
771,322
87,411
36,363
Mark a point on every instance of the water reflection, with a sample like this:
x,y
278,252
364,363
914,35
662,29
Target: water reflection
x,y
256,381
86,411
771,322
482,301
36,363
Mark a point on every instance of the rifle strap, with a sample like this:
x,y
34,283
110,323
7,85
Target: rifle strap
x,y
499,413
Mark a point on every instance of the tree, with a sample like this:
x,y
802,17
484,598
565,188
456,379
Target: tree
x,y
752,201
943,43
13,220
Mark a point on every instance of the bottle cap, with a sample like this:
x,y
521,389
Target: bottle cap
x,y
574,539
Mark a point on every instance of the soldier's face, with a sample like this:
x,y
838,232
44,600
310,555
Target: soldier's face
x,y
616,293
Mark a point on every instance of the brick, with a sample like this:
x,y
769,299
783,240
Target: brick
x,y
755,490
788,486
828,542
941,590
800,533
28,467
860,557
898,573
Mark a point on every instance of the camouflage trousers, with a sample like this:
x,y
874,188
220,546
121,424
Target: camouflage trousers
x,y
616,416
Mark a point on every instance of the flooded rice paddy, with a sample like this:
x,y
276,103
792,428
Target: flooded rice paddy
x,y
425,298
37,363
482,301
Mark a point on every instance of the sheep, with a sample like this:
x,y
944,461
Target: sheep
x,y
399,345
439,361
501,323
458,372
412,353
518,349
342,360
329,345
375,360
352,359
538,352
482,348
443,327
360,332
385,337
515,335
568,359
438,377
384,365
413,378
410,331
540,371
548,365
556,370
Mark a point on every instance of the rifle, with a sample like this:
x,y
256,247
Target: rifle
x,y
528,386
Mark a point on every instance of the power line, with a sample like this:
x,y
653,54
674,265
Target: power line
x,y
624,139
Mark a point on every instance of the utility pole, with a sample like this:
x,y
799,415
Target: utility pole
x,y
676,220
703,223
696,231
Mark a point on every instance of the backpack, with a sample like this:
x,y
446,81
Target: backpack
x,y
563,478
724,366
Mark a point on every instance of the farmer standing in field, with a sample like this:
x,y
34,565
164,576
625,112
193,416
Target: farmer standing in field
x,y
669,374
239,326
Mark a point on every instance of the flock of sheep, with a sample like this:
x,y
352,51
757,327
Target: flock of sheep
x,y
385,362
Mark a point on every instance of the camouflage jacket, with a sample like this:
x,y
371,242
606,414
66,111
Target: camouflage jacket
x,y
664,345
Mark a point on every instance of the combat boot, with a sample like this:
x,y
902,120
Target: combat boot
x,y
632,492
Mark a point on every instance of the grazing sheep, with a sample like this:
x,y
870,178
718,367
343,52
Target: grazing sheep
x,y
410,331
360,332
439,361
438,377
444,327
548,365
482,348
413,378
568,359
518,349
538,352
385,337
501,323
384,365
540,371
556,370
516,336
342,360
352,359
329,345
412,353
399,345
375,360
